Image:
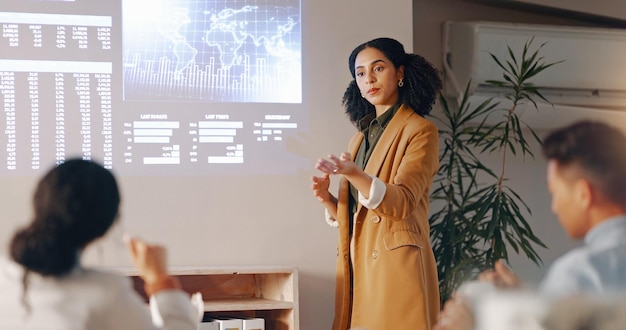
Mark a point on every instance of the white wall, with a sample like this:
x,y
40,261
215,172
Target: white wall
x,y
271,220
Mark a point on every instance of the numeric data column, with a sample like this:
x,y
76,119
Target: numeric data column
x,y
59,132
33,95
7,86
83,90
104,92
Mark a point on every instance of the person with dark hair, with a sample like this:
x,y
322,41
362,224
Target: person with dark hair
x,y
386,270
44,285
586,177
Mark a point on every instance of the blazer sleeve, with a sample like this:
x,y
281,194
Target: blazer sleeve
x,y
412,166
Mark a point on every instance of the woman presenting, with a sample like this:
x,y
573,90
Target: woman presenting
x,y
386,271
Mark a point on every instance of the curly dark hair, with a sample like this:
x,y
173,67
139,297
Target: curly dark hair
x,y
422,81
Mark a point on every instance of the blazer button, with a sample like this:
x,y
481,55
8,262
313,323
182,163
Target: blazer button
x,y
375,254
375,219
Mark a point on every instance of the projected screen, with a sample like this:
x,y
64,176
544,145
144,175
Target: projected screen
x,y
164,87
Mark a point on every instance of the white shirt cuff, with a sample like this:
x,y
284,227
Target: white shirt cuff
x,y
330,220
172,309
377,193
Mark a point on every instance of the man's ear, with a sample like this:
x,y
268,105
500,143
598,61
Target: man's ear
x,y
584,192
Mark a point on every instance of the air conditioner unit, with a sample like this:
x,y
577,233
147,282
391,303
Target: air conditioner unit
x,y
589,83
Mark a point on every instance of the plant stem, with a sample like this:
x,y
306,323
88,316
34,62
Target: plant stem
x,y
504,149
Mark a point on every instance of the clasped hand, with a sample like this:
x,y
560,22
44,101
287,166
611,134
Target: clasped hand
x,y
333,165
336,165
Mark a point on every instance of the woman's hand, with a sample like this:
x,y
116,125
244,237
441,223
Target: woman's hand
x,y
149,259
337,165
320,187
344,165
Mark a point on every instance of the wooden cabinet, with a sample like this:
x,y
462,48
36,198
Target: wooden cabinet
x,y
268,292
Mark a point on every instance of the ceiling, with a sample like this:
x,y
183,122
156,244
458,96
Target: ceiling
x,y
612,12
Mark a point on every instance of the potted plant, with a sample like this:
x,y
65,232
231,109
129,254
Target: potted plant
x,y
477,218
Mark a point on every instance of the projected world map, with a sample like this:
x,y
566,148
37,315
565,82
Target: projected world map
x,y
222,51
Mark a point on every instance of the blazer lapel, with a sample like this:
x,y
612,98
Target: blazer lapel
x,y
377,158
355,146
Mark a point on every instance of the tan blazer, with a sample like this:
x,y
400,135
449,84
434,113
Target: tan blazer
x,y
394,275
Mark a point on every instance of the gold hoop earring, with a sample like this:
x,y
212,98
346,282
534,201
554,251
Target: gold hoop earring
x,y
400,83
